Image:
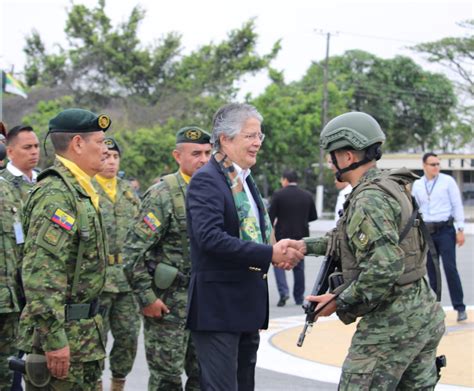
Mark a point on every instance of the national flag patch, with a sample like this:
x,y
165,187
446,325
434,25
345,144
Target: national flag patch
x,y
152,221
62,219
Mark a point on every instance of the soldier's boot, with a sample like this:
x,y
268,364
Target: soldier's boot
x,y
118,384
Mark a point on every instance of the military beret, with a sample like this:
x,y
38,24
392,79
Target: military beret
x,y
112,144
192,134
78,121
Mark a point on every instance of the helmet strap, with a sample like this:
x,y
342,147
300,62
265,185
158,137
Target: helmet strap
x,y
373,152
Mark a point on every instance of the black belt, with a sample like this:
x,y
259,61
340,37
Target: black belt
x,y
435,226
81,311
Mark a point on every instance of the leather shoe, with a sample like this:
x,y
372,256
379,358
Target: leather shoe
x,y
282,301
462,315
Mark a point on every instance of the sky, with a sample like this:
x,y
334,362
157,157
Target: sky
x,y
383,27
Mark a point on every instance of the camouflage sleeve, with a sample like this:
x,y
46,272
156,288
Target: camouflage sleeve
x,y
48,246
373,238
148,229
316,246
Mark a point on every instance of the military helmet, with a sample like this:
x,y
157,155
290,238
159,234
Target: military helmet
x,y
355,130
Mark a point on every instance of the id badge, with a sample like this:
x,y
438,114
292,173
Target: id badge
x,y
19,237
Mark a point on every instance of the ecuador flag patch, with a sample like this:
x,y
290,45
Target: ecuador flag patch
x,y
152,221
62,219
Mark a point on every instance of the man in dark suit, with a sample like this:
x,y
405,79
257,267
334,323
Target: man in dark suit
x,y
229,231
291,210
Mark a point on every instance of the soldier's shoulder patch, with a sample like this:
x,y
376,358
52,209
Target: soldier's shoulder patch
x,y
152,221
63,219
363,238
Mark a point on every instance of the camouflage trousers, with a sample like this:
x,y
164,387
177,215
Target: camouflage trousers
x,y
122,318
169,351
8,334
86,376
408,364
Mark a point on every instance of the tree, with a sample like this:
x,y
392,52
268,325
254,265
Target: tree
x,y
292,123
457,53
411,104
103,61
39,120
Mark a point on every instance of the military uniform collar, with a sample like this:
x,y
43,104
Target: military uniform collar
x,y
369,175
69,175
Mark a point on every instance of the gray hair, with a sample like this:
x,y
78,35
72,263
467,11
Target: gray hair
x,y
229,119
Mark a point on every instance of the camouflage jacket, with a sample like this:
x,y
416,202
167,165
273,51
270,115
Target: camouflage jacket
x,y
155,237
58,220
118,217
21,188
372,231
10,249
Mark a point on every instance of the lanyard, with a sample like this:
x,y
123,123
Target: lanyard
x,y
432,187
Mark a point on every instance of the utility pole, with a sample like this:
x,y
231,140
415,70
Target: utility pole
x,y
324,117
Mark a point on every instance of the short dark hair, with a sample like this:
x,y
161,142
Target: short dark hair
x,y
13,133
61,141
428,155
290,175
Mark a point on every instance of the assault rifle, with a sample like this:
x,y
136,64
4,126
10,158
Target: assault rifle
x,y
327,278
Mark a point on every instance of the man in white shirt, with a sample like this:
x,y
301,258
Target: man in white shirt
x,y
23,154
440,203
344,189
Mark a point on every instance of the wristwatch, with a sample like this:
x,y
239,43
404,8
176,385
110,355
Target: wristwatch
x,y
460,229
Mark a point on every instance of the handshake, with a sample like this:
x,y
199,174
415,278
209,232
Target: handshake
x,y
287,253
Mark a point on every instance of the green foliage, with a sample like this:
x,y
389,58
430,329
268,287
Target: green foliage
x,y
39,120
147,152
411,104
103,61
292,124
457,53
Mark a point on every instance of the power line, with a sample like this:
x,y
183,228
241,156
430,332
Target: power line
x,y
378,37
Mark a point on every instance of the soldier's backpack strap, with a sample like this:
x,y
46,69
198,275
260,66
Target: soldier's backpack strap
x,y
179,209
82,224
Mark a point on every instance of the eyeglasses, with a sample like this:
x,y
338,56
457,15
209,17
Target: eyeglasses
x,y
433,164
254,136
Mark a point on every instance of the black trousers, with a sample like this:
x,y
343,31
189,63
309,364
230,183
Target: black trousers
x,y
227,360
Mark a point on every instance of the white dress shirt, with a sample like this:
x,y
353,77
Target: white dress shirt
x,y
341,198
17,172
439,199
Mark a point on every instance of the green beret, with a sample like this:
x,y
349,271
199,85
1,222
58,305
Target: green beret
x,y
112,144
78,121
192,134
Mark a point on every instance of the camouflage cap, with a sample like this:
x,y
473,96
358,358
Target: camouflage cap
x,y
112,144
192,134
79,121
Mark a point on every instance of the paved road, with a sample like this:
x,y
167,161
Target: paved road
x,y
268,380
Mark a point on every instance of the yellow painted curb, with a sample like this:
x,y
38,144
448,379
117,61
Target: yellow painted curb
x,y
329,341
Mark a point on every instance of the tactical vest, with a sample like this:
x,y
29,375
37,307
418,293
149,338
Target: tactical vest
x,y
395,184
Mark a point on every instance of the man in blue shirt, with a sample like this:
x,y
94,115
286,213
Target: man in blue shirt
x,y
440,203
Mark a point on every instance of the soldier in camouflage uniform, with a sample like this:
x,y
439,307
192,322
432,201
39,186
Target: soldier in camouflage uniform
x,y
382,253
158,266
11,239
65,256
119,207
23,155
